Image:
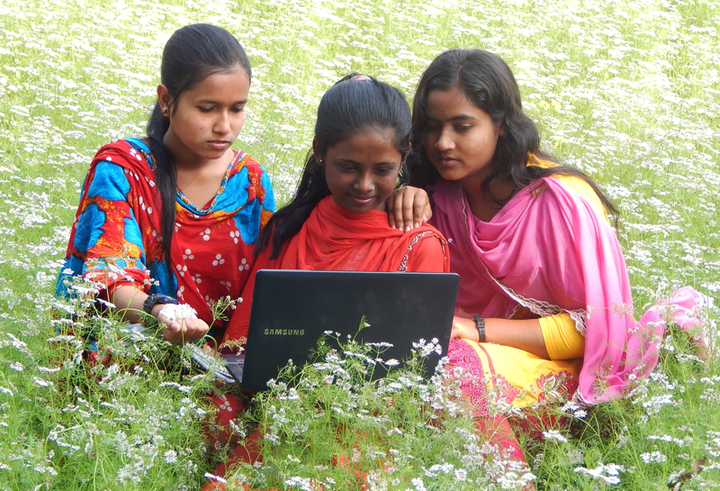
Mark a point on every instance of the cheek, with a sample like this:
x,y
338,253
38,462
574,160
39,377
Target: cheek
x,y
240,121
428,142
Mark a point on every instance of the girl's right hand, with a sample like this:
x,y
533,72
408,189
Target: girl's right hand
x,y
181,324
408,208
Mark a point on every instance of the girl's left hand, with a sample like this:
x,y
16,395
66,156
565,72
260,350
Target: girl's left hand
x,y
464,329
408,208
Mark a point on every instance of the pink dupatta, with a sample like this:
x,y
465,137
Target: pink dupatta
x,y
548,251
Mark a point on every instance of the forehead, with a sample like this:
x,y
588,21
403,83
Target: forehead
x,y
373,144
450,103
233,84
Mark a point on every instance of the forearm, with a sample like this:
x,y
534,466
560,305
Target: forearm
x,y
128,301
524,334
177,328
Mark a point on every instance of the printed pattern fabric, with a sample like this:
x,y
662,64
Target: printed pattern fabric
x,y
115,238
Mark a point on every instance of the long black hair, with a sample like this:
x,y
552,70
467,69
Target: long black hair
x,y
355,103
487,81
191,54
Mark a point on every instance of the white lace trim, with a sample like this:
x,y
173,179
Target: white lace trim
x,y
537,307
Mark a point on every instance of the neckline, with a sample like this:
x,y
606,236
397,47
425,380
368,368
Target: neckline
x,y
192,208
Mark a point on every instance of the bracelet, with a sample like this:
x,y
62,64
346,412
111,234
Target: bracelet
x,y
480,323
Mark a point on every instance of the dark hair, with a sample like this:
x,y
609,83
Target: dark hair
x,y
355,103
192,54
489,84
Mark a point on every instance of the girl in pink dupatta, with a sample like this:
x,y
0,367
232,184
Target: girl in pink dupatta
x,y
544,311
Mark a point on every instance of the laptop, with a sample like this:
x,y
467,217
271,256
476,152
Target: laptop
x,y
292,309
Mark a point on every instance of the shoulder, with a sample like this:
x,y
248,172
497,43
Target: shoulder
x,y
427,251
550,196
246,166
573,184
132,154
580,188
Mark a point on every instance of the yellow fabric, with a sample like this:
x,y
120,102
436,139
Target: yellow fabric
x,y
576,184
586,191
562,339
524,370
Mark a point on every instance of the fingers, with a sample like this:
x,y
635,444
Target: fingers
x,y
396,211
426,213
179,330
186,331
408,208
390,206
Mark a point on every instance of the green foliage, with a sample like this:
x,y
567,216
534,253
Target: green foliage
x,y
626,91
328,423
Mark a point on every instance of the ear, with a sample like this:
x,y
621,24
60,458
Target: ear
x,y
163,96
316,152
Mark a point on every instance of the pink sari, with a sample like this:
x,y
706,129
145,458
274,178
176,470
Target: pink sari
x,y
549,252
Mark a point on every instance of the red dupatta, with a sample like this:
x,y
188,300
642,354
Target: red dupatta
x,y
336,239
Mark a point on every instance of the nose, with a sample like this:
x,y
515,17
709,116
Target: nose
x,y
364,183
444,141
222,123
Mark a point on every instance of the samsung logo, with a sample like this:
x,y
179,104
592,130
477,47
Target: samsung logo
x,y
284,332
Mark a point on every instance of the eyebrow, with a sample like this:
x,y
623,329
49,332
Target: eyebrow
x,y
455,118
210,101
350,161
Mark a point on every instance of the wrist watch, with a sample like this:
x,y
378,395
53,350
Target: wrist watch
x,y
157,298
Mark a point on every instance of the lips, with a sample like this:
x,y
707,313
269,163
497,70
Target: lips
x,y
361,200
447,161
219,144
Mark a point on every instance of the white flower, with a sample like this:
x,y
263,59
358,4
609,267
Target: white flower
x,y
554,435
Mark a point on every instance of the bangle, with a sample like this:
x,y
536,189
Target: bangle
x,y
480,323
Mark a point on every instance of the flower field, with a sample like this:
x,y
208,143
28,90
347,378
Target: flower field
x,y
627,91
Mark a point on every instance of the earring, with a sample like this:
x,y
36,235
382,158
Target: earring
x,y
165,111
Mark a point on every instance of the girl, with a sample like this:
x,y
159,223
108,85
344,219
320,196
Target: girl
x,y
337,219
179,207
544,306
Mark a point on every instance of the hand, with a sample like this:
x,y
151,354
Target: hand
x,y
181,325
464,329
408,208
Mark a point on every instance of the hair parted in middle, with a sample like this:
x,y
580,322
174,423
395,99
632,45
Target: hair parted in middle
x,y
354,104
488,82
192,54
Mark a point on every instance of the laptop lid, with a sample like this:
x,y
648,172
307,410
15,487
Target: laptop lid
x,y
291,309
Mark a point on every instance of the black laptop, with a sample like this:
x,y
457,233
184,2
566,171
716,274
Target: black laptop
x,y
291,309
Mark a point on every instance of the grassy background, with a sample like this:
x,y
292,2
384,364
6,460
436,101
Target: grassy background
x,y
629,92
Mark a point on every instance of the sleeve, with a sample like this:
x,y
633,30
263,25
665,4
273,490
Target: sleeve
x,y
107,231
268,202
562,339
430,254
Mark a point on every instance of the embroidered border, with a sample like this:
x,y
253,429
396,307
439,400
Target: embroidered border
x,y
403,263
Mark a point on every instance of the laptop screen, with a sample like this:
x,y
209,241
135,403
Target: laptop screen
x,y
292,309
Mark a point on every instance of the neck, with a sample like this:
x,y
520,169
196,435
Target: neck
x,y
483,207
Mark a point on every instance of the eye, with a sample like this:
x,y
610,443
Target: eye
x,y
462,127
204,109
238,109
383,171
